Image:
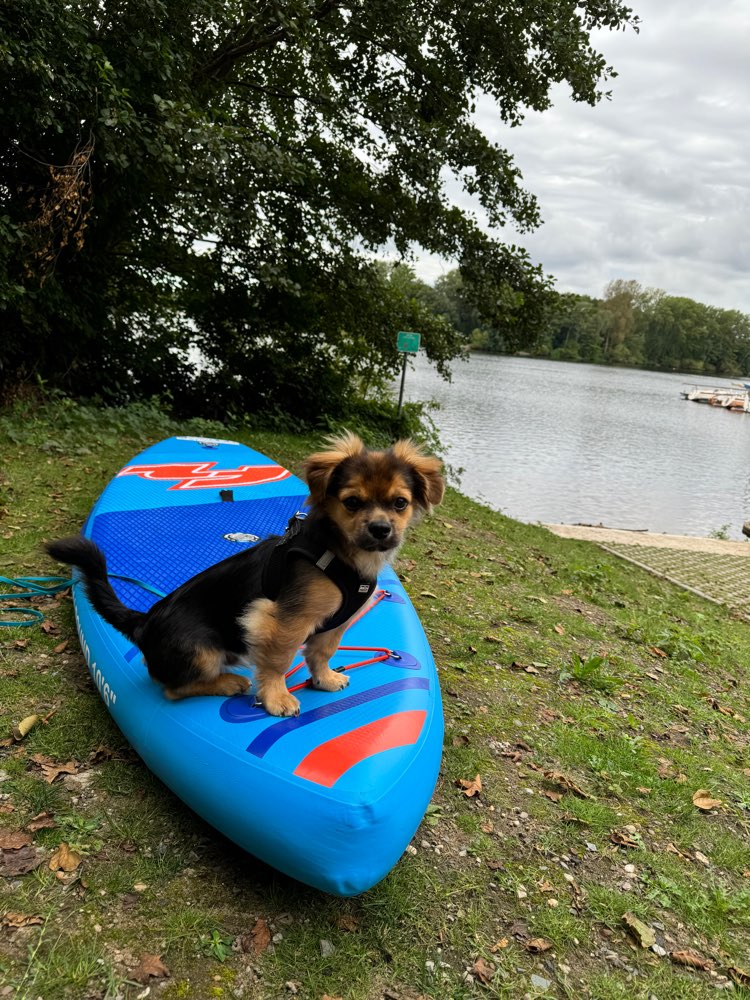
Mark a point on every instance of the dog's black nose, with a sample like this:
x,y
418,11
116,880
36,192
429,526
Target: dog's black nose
x,y
379,529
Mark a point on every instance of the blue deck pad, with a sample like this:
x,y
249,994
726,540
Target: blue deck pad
x,y
165,546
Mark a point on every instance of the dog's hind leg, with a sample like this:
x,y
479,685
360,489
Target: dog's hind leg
x,y
206,678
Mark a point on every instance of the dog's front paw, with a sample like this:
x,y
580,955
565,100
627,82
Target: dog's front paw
x,y
283,705
330,681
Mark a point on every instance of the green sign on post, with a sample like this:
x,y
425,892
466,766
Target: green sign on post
x,y
407,343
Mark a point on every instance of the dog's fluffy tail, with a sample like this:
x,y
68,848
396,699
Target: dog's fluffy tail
x,y
86,556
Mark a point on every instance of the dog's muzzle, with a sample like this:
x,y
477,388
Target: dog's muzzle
x,y
380,537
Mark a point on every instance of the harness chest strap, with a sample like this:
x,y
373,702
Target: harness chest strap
x,y
302,544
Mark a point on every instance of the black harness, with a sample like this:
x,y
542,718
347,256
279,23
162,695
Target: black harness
x,y
306,540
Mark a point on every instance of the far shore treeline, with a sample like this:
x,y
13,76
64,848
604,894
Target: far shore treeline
x,y
629,325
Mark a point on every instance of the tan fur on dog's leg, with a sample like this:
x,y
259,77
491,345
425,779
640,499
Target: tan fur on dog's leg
x,y
274,635
272,648
225,684
318,651
272,691
211,681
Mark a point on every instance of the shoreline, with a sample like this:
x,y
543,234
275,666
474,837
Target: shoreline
x,y
626,536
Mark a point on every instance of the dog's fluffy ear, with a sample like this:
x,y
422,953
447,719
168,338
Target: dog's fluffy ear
x,y
427,470
318,469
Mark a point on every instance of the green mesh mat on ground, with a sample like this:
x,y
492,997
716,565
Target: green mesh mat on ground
x,y
721,578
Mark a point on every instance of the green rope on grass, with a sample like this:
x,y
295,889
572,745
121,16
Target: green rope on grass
x,y
29,586
33,586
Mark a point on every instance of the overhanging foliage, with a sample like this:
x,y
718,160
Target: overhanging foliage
x,y
211,180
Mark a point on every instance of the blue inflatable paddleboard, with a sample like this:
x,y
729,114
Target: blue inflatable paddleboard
x,y
331,797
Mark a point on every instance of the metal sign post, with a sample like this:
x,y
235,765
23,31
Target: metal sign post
x,y
407,343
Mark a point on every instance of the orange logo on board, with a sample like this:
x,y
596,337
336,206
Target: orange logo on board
x,y
205,475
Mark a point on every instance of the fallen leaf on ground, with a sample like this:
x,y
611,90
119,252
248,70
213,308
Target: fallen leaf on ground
x,y
15,920
484,971
559,629
6,807
12,840
102,753
702,800
666,768
557,778
258,939
347,922
19,862
552,796
61,647
579,896
42,821
642,933
537,945
470,788
51,769
527,668
739,976
149,967
64,859
655,651
548,714
671,849
702,859
519,929
500,945
25,726
693,959
623,839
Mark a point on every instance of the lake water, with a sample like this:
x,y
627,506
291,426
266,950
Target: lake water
x,y
558,442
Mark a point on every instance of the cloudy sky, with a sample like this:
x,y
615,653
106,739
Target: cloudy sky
x,y
655,184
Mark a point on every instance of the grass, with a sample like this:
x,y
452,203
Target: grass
x,y
593,700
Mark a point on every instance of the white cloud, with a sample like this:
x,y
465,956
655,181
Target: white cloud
x,y
654,184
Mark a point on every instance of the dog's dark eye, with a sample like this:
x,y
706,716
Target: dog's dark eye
x,y
352,504
400,503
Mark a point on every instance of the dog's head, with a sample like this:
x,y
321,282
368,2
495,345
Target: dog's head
x,y
372,496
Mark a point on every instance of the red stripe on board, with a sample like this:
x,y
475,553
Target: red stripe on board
x,y
325,764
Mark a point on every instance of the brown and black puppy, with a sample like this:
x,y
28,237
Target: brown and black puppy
x,y
304,588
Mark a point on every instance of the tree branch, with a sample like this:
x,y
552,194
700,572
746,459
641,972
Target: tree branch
x,y
222,61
